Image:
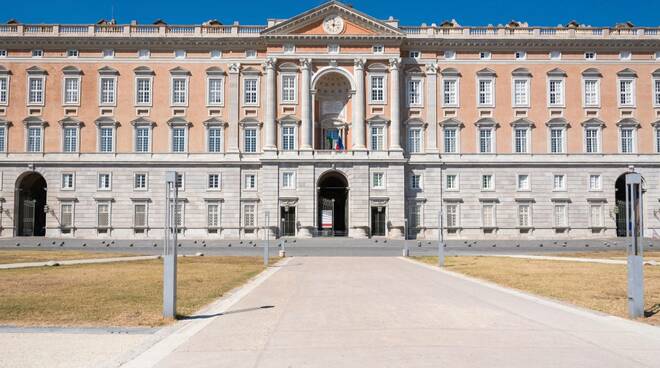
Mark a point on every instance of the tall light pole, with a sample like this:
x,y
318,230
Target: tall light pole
x,y
266,230
169,248
634,230
441,241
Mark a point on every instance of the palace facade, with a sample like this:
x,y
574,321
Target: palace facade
x,y
331,122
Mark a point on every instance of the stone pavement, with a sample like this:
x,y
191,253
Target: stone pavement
x,y
392,312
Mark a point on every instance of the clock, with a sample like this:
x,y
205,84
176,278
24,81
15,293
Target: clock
x,y
333,24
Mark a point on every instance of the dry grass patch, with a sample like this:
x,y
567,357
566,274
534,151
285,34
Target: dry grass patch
x,y
117,294
43,255
607,254
600,287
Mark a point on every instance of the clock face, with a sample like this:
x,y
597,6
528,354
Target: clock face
x,y
333,24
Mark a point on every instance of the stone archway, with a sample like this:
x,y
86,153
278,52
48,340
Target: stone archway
x,y
333,90
30,202
332,204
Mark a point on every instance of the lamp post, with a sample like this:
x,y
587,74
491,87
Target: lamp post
x,y
634,229
441,241
169,248
266,220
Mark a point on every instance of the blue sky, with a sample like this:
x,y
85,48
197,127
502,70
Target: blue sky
x,y
545,12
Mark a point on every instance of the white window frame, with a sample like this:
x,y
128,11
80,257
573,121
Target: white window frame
x,y
288,48
3,53
656,92
3,141
491,181
218,215
449,55
146,181
382,75
491,91
599,139
40,128
113,93
150,79
333,48
457,91
563,139
37,53
292,184
415,54
554,55
456,182
208,182
520,55
457,139
180,54
72,53
485,55
294,90
209,78
65,92
251,54
633,139
186,91
382,126
633,92
584,92
144,54
108,53
519,207
421,139
564,183
527,94
565,214
215,54
63,183
527,149
144,227
657,138
248,183
599,182
378,49
221,144
256,129
526,188
457,214
561,93
590,55
76,128
176,126
256,80
420,98
420,181
374,184
99,187
493,140
254,213
625,55
72,225
99,204
149,128
42,91
6,78
288,125
601,215
99,130
493,214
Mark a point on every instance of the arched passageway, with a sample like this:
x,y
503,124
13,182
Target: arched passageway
x,y
333,204
30,216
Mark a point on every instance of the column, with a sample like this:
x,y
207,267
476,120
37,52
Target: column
x,y
431,111
234,91
271,106
306,105
358,106
395,112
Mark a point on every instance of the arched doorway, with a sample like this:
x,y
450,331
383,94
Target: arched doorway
x,y
30,217
332,92
620,200
333,204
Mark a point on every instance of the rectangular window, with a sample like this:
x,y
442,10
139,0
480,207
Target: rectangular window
x,y
140,215
485,140
249,215
595,183
3,139
37,53
487,182
179,91
35,90
415,140
559,182
520,92
556,92
216,91
520,55
451,140
214,139
103,215
140,181
250,140
143,91
180,54
557,140
521,140
414,54
589,55
414,92
34,139
106,141
178,139
561,215
71,91
68,181
251,54
596,215
450,92
288,180
451,182
555,55
415,219
524,215
626,93
656,92
70,143
107,93
592,144
288,88
488,215
415,181
108,53
378,180
657,139
214,181
72,53
66,215
485,95
3,53
484,55
377,138
333,48
250,181
378,49
377,89
449,54
523,182
4,90
288,48
144,54
288,138
627,140
451,215
142,139
104,182
250,91
213,215
180,181
591,92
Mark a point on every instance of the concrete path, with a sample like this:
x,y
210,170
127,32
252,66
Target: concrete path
x,y
391,312
572,259
8,266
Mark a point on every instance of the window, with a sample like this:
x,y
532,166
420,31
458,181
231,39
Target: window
x,y
179,91
451,182
488,215
288,138
657,138
250,91
625,55
289,48
66,217
592,140
626,92
140,181
595,183
37,53
106,139
414,140
377,138
522,182
250,140
524,215
484,55
144,54
68,181
288,180
591,92
108,89
4,90
486,140
71,90
559,182
142,144
214,181
656,92
377,89
179,215
251,54
36,90
378,180
378,49
213,215
215,93
70,142
451,215
414,54
561,215
214,143
521,140
180,181
179,139
627,140
3,138
108,53
589,55
555,92
487,182
451,140
140,216
72,53
250,181
415,181
143,91
180,54
485,95
104,181
414,92
596,215
450,92
103,215
521,92
216,54
415,218
249,216
3,53
333,48
557,140
520,55
34,139
449,55
555,55
657,54
288,88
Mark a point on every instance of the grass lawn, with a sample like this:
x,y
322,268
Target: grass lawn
x,y
600,287
43,255
117,294
607,254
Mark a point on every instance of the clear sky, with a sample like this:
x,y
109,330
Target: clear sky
x,y
545,12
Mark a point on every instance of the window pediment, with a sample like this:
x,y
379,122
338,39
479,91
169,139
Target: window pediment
x,y
522,122
450,72
415,122
486,72
521,72
215,71
558,122
487,122
289,67
71,70
143,121
178,121
592,73
106,70
627,73
34,120
214,122
4,71
250,70
4,122
250,122
377,67
656,73
106,120
628,122
378,119
35,70
289,119
179,71
452,123
593,122
556,72
70,121
143,70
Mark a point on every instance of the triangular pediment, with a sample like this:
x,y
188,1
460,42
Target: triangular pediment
x,y
349,22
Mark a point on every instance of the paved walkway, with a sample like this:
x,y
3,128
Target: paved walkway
x,y
391,312
8,266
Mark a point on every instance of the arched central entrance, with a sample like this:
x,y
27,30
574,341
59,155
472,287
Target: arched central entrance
x,y
30,217
333,204
332,95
